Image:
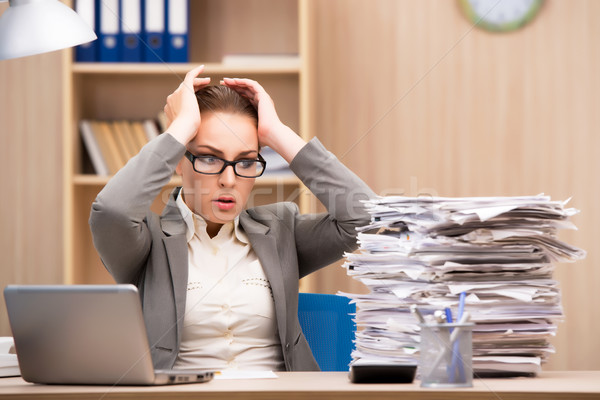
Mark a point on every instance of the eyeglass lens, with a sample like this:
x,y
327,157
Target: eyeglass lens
x,y
214,165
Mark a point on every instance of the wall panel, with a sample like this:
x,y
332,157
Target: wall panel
x,y
415,100
30,172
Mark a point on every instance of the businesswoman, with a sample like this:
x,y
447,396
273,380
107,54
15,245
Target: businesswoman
x,y
218,282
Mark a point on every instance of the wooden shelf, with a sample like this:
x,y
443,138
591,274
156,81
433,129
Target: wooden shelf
x,y
183,68
268,180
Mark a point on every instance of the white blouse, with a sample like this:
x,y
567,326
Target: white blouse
x,y
229,318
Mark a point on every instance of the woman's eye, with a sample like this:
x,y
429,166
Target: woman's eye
x,y
247,164
209,160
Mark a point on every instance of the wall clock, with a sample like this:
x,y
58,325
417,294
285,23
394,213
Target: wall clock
x,y
500,15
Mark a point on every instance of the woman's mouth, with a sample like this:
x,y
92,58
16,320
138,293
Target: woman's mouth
x,y
225,203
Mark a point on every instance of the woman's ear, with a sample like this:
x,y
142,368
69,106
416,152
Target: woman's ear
x,y
179,167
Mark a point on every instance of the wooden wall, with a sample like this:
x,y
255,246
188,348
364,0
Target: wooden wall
x,y
31,122
415,100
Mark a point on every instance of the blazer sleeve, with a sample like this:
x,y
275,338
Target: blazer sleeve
x,y
323,238
118,216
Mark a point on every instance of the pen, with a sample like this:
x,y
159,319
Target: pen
x,y
456,363
451,369
417,313
461,304
448,315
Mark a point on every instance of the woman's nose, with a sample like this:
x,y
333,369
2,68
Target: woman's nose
x,y
227,177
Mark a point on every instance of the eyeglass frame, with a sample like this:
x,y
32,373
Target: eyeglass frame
x,y
226,163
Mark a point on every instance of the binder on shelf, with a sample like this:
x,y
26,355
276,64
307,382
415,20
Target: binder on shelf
x,y
177,30
93,148
114,152
138,135
87,11
106,146
111,144
150,129
154,31
125,141
108,32
131,31
116,143
130,132
162,120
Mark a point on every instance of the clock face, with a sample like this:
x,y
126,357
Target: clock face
x,y
500,15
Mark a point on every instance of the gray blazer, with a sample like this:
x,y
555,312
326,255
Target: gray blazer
x,y
150,251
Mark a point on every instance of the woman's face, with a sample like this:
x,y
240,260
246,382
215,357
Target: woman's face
x,y
219,198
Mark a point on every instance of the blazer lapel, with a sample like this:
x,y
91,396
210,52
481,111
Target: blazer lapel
x,y
175,244
176,247
265,247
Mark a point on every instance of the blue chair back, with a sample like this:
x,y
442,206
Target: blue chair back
x,y
326,321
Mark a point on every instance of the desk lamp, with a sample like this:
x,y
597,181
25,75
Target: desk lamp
x,y
31,27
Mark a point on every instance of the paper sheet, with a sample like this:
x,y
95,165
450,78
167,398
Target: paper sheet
x,y
501,251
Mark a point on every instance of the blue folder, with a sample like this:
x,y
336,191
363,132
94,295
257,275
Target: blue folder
x,y
87,11
154,21
131,31
108,30
177,30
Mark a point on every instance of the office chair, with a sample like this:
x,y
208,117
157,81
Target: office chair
x,y
326,321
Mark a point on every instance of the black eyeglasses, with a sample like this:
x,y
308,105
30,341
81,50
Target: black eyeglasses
x,y
212,165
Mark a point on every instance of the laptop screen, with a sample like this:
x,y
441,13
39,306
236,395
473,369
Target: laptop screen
x,y
79,334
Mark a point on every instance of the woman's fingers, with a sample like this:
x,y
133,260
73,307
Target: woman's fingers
x,y
248,88
244,84
192,80
193,73
200,83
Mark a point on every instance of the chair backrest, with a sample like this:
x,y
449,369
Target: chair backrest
x,y
327,323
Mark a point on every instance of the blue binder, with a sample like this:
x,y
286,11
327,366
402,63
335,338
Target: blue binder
x,y
108,30
87,11
131,31
154,31
177,30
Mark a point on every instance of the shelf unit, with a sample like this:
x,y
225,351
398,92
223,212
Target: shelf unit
x,y
138,91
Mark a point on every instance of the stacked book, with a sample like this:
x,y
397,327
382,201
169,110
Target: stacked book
x,y
110,144
500,251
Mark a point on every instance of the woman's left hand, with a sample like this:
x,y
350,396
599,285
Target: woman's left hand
x,y
271,131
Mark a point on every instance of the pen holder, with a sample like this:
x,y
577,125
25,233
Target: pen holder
x,y
446,353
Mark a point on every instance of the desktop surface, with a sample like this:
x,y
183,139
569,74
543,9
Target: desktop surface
x,y
571,385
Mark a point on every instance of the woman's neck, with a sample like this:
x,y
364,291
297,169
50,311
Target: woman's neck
x,y
212,228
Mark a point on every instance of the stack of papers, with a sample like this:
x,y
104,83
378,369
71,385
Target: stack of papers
x,y
9,365
276,165
501,251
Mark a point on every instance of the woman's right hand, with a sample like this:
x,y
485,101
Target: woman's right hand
x,y
182,109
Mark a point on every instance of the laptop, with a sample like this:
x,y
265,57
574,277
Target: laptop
x,y
86,335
